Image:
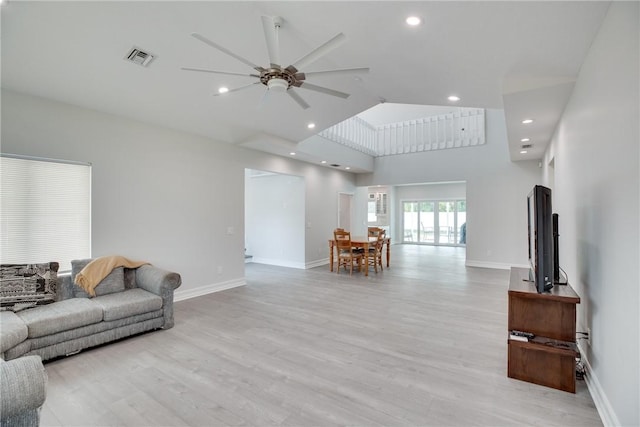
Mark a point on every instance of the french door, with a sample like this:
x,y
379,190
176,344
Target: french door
x,y
437,222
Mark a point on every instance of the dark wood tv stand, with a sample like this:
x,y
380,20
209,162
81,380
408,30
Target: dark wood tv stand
x,y
549,358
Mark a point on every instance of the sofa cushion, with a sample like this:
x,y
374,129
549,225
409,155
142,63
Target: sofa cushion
x,y
61,316
12,330
26,285
127,303
114,282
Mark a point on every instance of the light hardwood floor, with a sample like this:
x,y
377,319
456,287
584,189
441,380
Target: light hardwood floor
x,y
422,343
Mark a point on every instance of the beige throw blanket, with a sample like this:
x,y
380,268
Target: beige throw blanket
x,y
93,273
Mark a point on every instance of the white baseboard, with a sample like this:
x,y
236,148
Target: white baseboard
x,y
317,263
208,289
279,262
605,410
487,264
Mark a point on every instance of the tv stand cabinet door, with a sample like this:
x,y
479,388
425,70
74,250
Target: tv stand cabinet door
x,y
542,366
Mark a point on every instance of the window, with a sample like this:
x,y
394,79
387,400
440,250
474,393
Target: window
x,y
377,209
45,211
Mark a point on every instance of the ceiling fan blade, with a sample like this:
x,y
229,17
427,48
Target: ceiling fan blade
x,y
228,73
334,72
319,52
321,89
298,99
271,27
265,98
225,50
237,89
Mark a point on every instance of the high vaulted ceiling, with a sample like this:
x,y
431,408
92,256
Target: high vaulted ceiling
x,y
522,56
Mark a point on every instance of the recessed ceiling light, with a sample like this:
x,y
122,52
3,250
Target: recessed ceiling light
x,y
223,89
348,167
523,152
525,140
311,125
454,98
323,162
413,21
292,153
527,121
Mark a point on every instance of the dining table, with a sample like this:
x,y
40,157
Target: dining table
x,y
361,242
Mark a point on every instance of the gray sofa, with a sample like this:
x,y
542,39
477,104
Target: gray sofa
x,y
127,302
22,391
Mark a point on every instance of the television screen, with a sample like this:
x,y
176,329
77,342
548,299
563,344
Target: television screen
x,y
540,222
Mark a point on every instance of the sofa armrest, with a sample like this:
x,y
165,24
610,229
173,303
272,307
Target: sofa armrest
x,y
23,384
162,283
156,280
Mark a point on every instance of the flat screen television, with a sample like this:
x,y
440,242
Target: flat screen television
x,y
541,238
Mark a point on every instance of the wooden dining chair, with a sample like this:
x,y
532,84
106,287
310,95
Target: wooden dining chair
x,y
375,252
346,254
374,231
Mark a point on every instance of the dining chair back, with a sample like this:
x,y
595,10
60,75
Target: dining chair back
x,y
346,255
374,231
375,252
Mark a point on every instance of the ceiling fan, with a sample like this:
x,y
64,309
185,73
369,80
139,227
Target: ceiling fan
x,y
276,77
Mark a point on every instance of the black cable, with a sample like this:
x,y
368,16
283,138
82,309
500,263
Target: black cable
x,y
566,277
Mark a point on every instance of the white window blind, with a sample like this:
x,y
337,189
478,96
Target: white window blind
x,y
46,211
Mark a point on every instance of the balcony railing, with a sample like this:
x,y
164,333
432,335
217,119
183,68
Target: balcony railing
x,y
458,129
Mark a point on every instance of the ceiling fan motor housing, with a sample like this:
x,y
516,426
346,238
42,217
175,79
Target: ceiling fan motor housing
x,y
279,79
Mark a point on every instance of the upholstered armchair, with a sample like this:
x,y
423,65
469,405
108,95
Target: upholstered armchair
x,y
23,384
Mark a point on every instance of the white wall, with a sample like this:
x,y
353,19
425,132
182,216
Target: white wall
x,y
596,191
496,191
274,219
166,196
435,191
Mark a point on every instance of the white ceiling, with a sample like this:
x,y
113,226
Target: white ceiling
x,y
522,56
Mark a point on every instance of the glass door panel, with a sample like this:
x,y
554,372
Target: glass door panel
x,y
410,221
462,222
446,223
426,215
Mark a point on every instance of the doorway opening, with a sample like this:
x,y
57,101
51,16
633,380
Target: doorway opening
x,y
274,214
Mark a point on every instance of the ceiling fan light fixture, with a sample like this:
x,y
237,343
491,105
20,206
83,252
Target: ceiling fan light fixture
x,y
278,85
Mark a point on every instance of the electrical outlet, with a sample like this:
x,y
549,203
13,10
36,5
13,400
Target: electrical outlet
x,y
589,337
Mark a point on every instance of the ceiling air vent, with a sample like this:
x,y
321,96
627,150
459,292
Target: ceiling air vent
x,y
525,146
137,56
335,166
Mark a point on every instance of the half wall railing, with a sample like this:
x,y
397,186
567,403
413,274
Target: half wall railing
x,y
458,129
